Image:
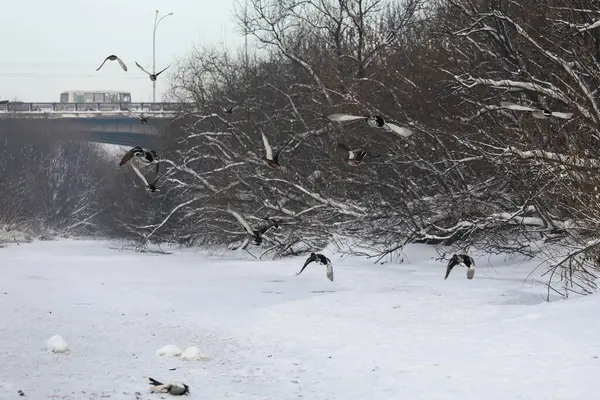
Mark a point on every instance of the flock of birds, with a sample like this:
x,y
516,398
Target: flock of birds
x,y
271,159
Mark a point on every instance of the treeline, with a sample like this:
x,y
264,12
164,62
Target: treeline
x,y
473,173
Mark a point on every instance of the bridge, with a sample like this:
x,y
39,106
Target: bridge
x,y
114,123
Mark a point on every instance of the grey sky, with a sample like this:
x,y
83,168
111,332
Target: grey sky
x,y
49,47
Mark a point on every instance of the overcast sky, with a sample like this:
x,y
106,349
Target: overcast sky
x,y
51,46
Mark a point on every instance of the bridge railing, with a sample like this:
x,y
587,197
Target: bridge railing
x,y
17,107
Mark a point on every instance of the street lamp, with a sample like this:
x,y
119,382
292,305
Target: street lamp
x,y
156,22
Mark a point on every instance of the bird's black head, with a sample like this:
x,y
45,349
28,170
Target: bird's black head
x,y
137,150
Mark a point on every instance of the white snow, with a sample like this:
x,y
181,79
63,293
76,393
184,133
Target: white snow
x,y
391,331
192,353
57,344
169,350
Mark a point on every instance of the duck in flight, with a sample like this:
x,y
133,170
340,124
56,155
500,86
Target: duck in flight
x,y
255,234
464,261
354,158
113,57
144,157
269,159
375,121
539,113
153,77
321,260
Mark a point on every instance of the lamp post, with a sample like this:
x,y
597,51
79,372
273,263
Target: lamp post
x,y
156,22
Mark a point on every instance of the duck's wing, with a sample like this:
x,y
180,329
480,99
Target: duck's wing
x,y
342,146
128,156
404,132
122,64
267,227
283,148
139,173
562,115
360,155
154,382
158,73
268,149
516,107
308,261
241,220
345,117
329,271
451,265
106,59
142,68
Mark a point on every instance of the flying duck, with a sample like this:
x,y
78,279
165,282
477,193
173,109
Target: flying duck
x,y
539,113
152,76
322,260
354,158
175,389
228,110
144,120
376,121
112,57
462,260
145,157
255,234
272,160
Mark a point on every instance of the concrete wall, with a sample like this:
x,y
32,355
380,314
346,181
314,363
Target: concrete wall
x,y
117,129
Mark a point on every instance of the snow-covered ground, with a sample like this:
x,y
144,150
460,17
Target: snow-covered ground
x,y
392,331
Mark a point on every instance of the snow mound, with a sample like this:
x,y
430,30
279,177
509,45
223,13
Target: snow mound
x,y
169,350
193,353
57,344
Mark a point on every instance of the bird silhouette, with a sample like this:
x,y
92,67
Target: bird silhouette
x,y
113,57
153,77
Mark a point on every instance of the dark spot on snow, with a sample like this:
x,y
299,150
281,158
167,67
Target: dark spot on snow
x,y
323,291
276,281
172,369
21,393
